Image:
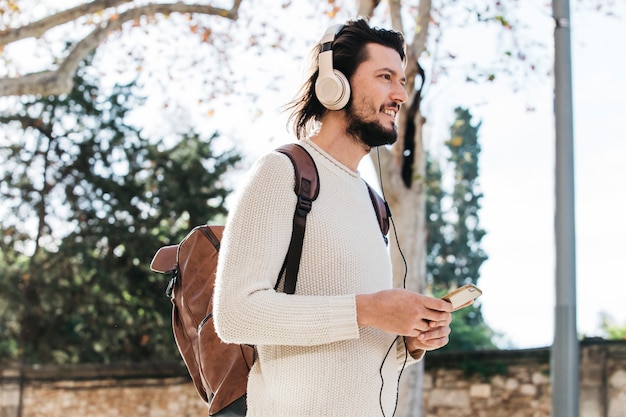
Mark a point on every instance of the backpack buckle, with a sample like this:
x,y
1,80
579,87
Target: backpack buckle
x,y
304,206
170,285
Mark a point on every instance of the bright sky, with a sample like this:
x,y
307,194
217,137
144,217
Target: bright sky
x,y
517,178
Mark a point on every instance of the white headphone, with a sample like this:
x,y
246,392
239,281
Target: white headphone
x,y
332,87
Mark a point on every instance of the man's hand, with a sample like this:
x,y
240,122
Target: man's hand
x,y
432,339
435,338
406,313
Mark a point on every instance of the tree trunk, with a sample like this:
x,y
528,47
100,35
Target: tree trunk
x,y
405,190
408,209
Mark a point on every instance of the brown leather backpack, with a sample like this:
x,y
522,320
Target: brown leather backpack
x,y
220,370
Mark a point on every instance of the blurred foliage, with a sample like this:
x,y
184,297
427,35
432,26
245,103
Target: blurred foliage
x,y
89,201
612,329
454,255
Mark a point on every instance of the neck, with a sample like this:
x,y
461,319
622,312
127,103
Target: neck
x,y
334,140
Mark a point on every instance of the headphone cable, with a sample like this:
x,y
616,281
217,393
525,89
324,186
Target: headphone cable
x,y
395,340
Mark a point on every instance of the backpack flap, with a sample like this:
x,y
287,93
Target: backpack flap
x,y
164,260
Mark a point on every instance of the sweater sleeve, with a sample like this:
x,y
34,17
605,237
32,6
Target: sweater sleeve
x,y
404,357
247,309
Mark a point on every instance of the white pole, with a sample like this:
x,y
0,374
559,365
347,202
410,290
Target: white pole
x,y
565,350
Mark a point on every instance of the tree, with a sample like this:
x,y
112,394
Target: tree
x,y
103,199
454,255
612,329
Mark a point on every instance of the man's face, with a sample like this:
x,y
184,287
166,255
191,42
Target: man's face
x,y
377,92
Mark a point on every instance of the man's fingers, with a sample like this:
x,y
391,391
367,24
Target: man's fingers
x,y
469,303
435,324
437,333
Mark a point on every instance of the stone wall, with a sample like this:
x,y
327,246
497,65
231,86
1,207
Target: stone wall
x,y
517,383
479,384
120,390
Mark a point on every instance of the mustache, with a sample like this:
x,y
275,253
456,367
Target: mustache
x,y
391,105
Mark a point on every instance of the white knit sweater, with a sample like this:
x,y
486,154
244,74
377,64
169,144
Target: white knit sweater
x,y
313,360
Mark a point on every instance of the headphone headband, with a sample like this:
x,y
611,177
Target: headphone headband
x,y
329,37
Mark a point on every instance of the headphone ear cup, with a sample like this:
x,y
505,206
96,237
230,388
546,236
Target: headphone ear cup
x,y
333,91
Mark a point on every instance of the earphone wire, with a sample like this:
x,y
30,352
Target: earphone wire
x,y
395,340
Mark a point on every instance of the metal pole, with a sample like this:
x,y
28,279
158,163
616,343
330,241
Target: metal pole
x,y
565,350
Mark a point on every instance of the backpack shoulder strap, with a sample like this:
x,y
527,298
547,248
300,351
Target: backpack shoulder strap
x,y
383,213
307,189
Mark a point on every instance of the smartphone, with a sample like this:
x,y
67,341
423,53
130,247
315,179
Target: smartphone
x,y
462,295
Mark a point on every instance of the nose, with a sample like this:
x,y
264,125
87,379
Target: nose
x,y
399,94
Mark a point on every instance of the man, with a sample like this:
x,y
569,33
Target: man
x,y
333,347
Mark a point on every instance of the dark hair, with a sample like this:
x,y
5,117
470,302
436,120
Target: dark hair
x,y
348,53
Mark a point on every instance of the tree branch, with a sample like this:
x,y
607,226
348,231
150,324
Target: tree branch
x,y
395,10
25,121
366,8
38,28
409,114
60,81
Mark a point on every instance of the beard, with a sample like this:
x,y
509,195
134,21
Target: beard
x,y
371,134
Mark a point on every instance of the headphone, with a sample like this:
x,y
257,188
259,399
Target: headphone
x,y
332,87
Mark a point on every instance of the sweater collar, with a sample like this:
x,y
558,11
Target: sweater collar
x,y
313,146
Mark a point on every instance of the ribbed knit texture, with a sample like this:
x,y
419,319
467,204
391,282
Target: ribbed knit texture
x,y
313,360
